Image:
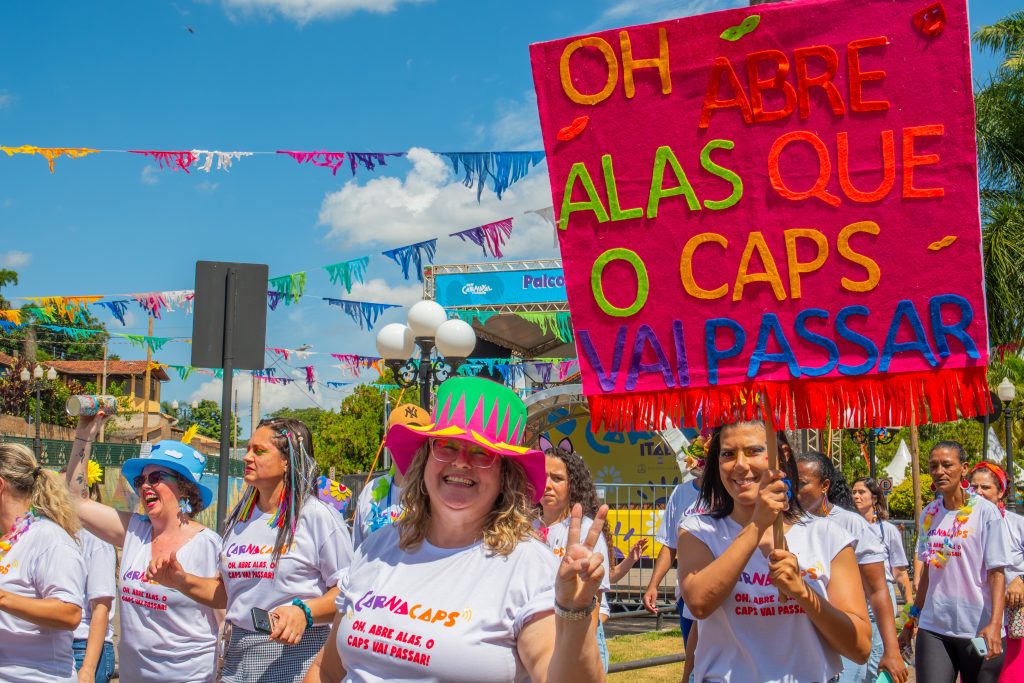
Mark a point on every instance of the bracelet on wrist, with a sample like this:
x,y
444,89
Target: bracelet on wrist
x,y
914,612
305,608
575,614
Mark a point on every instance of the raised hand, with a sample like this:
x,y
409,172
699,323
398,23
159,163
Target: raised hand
x,y
166,571
772,499
637,551
581,570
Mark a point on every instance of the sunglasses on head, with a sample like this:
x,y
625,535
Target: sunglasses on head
x,y
154,478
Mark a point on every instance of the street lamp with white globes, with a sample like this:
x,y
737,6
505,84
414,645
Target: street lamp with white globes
x,y
35,382
428,330
1007,392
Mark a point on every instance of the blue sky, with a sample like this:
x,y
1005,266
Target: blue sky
x,y
260,75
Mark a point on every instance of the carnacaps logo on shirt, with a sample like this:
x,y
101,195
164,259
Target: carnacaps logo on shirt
x,y
398,605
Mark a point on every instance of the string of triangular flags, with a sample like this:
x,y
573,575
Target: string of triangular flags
x,y
499,170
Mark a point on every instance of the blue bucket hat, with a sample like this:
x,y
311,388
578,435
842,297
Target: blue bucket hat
x,y
176,456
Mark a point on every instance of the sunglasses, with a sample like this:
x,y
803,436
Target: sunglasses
x,y
153,478
447,451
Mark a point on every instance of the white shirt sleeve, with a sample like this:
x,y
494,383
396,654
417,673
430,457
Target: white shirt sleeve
x,y
101,571
60,574
997,541
894,546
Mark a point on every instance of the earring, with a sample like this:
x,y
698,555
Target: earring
x,y
184,506
964,484
932,487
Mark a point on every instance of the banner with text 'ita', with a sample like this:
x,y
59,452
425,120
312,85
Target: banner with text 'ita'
x,y
772,203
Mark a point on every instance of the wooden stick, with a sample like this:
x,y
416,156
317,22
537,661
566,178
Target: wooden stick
x,y
915,464
778,531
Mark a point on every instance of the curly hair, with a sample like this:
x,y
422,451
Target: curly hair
x,y
509,523
838,490
713,494
581,488
45,489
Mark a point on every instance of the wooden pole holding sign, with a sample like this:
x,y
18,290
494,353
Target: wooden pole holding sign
x,y
778,531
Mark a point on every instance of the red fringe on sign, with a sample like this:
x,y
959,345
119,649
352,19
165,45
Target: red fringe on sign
x,y
872,401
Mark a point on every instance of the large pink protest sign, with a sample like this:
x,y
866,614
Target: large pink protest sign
x,y
771,203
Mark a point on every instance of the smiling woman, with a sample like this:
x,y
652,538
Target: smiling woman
x,y
459,589
164,635
745,592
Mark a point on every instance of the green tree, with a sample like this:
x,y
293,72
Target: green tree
x,y
309,416
207,415
7,277
1000,130
901,500
349,438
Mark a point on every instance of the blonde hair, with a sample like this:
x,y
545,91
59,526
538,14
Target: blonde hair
x,y
509,522
47,492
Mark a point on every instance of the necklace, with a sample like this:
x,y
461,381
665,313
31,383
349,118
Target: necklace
x,y
938,557
18,529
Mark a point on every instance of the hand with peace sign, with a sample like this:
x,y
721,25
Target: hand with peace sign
x,y
581,570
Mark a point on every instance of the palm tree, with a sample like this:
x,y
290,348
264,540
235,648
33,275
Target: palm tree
x,y
1000,130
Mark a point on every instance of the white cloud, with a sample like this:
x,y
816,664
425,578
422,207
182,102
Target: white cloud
x,y
624,12
13,258
431,202
379,290
150,175
7,99
518,124
304,11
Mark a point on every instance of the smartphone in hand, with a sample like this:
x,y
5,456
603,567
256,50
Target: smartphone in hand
x,y
261,620
980,646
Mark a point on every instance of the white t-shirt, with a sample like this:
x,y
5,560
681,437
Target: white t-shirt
x,y
682,502
374,514
440,614
165,636
320,549
100,581
556,537
866,545
959,602
43,563
1015,530
888,534
740,641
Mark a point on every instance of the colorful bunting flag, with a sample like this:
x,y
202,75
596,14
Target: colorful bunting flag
x,y
338,385
412,255
290,287
12,315
177,159
349,272
117,308
310,378
142,341
363,312
354,363
331,160
151,302
49,153
48,314
224,159
73,332
273,299
182,298
369,160
503,168
490,236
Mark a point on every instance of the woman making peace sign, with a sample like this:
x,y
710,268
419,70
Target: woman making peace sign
x,y
459,589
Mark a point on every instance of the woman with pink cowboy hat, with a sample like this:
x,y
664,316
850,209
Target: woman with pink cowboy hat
x,y
460,589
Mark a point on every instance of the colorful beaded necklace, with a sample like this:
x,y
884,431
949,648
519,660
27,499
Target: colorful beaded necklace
x,y
18,529
940,556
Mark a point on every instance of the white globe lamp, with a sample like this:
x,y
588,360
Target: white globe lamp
x,y
395,342
455,339
425,317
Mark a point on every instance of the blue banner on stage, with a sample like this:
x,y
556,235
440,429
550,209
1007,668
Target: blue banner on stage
x,y
496,288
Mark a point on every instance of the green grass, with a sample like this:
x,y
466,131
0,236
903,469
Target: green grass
x,y
645,645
